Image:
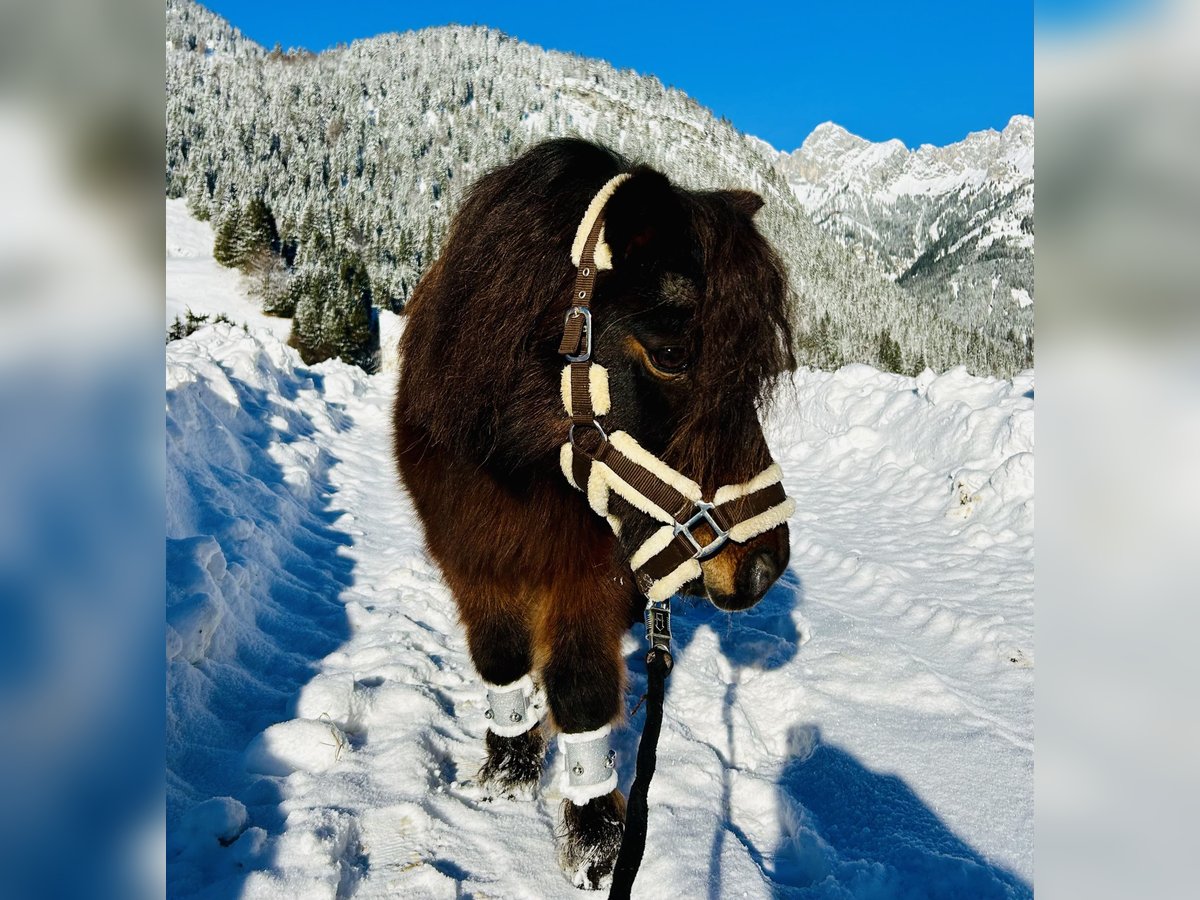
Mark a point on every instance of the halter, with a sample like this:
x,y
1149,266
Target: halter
x,y
599,463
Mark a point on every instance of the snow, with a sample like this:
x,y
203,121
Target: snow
x,y
391,327
297,745
831,160
197,281
865,731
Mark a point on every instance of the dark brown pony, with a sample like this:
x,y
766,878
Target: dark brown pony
x,y
692,325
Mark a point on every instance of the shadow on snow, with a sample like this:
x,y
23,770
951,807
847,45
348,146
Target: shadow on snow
x,y
850,832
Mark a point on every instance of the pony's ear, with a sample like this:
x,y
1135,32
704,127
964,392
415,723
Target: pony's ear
x,y
746,202
642,215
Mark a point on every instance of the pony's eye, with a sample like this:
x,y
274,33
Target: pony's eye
x,y
671,360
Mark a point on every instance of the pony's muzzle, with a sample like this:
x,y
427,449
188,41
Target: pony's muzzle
x,y
741,574
757,575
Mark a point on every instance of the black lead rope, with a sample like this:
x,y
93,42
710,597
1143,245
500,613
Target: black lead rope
x,y
658,667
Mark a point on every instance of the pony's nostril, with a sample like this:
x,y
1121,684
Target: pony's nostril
x,y
759,574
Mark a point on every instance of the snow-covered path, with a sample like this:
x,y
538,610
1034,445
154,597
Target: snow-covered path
x,y
866,731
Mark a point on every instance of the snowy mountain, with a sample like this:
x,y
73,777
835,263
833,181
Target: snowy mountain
x,y
362,153
865,731
951,225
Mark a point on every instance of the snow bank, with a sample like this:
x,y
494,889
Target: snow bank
x,y
254,569
971,437
195,600
298,745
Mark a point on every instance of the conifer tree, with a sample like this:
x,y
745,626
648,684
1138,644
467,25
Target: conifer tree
x,y
890,357
347,316
227,248
306,333
256,228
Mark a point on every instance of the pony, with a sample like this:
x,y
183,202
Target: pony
x,y
692,324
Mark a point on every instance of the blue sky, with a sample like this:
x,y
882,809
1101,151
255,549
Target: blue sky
x,y
925,72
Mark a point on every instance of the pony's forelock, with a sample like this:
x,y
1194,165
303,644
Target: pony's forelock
x,y
744,327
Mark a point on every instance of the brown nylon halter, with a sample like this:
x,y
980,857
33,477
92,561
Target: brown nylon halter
x,y
576,346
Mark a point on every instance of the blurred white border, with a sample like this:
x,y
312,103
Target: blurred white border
x,y
1118,275
81,448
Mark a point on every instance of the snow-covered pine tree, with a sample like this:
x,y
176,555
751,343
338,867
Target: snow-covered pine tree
x,y
256,229
890,357
227,244
348,319
307,334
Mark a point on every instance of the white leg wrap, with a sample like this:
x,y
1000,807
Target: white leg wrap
x,y
514,708
588,765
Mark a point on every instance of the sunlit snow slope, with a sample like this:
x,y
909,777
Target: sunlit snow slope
x,y
866,731
198,282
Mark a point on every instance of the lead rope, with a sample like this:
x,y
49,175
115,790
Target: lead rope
x,y
659,663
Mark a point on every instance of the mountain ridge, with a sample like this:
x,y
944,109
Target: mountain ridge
x,y
953,224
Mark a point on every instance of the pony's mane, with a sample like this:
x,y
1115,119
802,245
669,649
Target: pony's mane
x,y
505,262
501,285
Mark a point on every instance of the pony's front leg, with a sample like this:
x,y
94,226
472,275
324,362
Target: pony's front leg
x,y
583,672
515,743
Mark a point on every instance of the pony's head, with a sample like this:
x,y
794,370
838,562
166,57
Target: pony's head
x,y
691,322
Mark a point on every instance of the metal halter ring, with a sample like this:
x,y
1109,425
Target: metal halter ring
x,y
703,514
587,332
593,424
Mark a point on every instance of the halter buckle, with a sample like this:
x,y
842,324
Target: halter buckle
x,y
703,514
585,336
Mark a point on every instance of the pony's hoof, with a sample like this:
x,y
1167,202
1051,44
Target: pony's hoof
x,y
590,840
513,768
